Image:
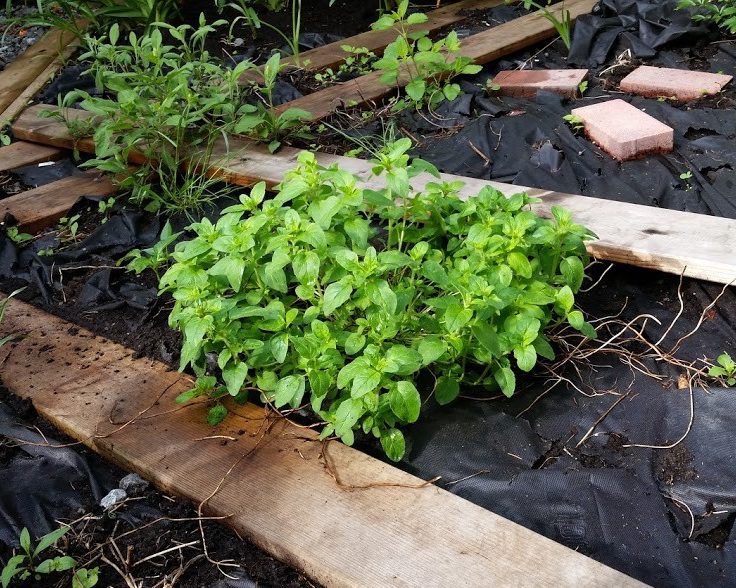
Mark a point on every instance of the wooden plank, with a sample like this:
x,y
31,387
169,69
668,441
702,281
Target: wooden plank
x,y
381,527
38,84
483,47
644,236
332,55
17,76
23,153
39,208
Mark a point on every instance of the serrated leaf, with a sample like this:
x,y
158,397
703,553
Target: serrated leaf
x,y
415,89
289,390
365,380
234,375
347,415
526,357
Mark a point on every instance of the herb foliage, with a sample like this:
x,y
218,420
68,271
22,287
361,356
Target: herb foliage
x,y
337,295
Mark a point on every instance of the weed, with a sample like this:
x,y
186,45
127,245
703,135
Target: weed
x,y
722,13
337,296
170,101
724,370
69,227
428,67
262,122
358,64
26,564
583,87
576,123
16,236
155,257
563,25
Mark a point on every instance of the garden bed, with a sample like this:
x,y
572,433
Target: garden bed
x,y
614,452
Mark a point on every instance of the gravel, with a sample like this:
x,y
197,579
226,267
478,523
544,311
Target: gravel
x,y
14,37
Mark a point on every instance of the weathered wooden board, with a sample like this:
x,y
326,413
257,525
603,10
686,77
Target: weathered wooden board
x,y
22,72
332,54
644,236
381,527
482,47
23,153
41,207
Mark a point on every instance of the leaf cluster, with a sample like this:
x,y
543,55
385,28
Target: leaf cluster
x,y
427,67
338,295
26,564
724,370
722,13
359,62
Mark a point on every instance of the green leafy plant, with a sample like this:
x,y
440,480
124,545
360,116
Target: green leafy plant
x,y
357,64
262,122
169,102
16,236
427,67
155,257
722,13
575,122
69,227
724,370
563,25
26,565
583,87
78,15
336,295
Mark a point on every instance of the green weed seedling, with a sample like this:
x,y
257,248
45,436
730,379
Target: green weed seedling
x,y
563,25
334,296
153,258
429,66
26,565
722,13
576,123
259,121
724,370
16,236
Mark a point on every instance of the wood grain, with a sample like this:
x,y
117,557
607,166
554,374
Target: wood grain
x,y
332,54
22,72
483,47
39,208
643,236
23,153
381,527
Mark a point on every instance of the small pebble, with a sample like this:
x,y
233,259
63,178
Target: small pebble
x,y
113,497
133,484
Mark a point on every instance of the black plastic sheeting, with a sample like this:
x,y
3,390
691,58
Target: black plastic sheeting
x,y
44,483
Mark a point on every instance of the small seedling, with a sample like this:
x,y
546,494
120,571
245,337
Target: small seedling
x,y
583,87
16,236
153,258
104,207
493,87
724,370
575,122
69,225
24,565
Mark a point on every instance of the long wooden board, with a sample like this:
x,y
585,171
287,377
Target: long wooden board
x,y
380,527
644,236
22,153
22,72
332,54
482,47
41,207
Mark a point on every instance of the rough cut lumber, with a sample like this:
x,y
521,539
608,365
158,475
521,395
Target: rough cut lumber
x,y
644,236
378,527
332,55
20,74
22,153
39,208
483,47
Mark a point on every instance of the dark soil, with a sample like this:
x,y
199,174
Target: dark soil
x,y
144,525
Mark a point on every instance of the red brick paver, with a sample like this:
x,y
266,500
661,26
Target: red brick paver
x,y
525,83
681,84
624,131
